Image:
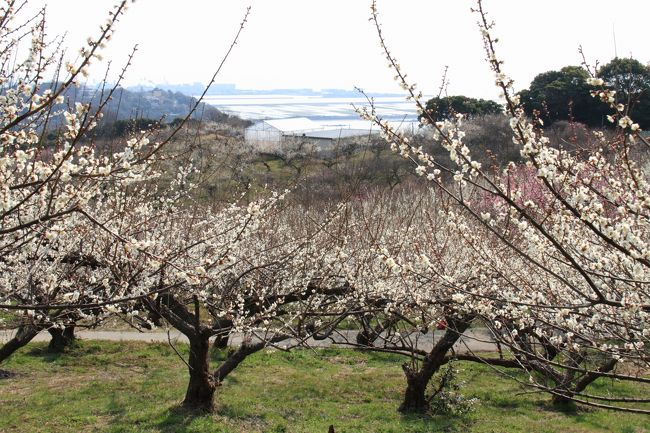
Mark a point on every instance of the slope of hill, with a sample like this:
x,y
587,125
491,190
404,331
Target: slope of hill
x,y
150,104
155,104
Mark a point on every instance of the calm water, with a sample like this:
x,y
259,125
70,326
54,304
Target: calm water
x,y
326,111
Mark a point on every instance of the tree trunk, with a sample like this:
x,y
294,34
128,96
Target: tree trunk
x,y
221,341
562,400
24,335
417,380
368,334
200,390
61,339
415,400
569,392
364,338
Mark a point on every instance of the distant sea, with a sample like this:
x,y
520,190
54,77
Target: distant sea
x,y
326,111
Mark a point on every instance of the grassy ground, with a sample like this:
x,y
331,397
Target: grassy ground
x,y
136,387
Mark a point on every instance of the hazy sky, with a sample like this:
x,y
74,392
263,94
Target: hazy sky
x,y
331,43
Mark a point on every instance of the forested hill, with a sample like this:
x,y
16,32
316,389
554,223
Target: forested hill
x,y
149,104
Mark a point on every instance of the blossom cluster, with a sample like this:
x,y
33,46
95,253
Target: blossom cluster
x,y
556,246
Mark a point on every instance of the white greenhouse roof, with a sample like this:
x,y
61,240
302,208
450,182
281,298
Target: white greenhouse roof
x,y
334,134
293,124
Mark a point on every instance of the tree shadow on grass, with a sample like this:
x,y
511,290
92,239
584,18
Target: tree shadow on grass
x,y
180,420
581,415
74,350
6,374
383,358
45,355
175,419
570,409
116,409
447,423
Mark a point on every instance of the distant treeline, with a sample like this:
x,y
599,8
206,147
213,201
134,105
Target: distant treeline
x,y
567,95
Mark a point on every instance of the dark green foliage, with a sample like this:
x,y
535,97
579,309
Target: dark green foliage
x,y
448,106
629,77
564,95
631,80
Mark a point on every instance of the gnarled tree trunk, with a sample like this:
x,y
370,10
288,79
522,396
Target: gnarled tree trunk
x,y
415,395
221,341
567,393
24,335
201,387
417,380
368,334
61,339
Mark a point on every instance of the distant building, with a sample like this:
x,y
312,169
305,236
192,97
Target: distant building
x,y
270,134
272,131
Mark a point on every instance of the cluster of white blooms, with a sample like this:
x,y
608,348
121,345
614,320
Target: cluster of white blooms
x,y
57,191
552,254
86,235
406,264
556,249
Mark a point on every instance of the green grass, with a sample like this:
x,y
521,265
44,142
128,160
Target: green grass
x,y
136,387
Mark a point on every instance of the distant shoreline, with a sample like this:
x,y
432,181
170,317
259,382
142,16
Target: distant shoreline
x,y
327,111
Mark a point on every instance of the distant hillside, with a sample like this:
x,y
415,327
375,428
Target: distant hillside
x,y
150,104
155,104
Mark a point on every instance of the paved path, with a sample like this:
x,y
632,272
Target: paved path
x,y
477,340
